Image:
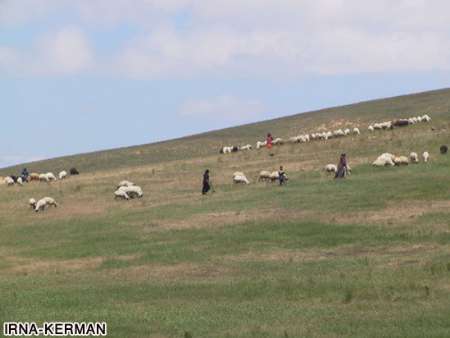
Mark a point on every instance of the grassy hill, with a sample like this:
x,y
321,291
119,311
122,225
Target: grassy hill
x,y
436,103
367,256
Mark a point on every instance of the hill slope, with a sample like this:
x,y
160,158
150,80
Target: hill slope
x,y
368,256
435,103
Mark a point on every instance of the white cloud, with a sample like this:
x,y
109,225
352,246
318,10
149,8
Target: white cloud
x,y
265,38
227,109
65,52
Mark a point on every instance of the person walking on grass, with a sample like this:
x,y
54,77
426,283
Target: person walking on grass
x,y
342,167
206,183
269,141
282,176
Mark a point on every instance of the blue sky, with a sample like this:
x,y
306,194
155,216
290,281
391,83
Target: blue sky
x,y
79,76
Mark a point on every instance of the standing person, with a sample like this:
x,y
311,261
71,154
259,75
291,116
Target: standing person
x,y
24,174
342,167
206,184
269,141
282,176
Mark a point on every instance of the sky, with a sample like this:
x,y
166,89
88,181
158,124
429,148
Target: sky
x,y
85,75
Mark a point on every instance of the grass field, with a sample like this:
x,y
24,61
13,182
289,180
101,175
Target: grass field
x,y
368,256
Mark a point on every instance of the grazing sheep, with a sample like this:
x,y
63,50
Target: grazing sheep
x,y
401,160
19,181
371,128
246,147
278,141
338,133
331,168
347,132
414,157
34,177
32,203
294,139
401,123
260,144
383,160
443,149
121,194
239,177
264,175
74,171
132,191
9,180
43,177
356,131
44,203
426,118
425,156
226,150
62,175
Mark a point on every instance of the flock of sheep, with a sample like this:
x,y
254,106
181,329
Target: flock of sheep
x,y
35,177
327,135
388,159
127,190
399,123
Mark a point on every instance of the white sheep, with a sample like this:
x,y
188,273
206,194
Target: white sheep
x,y
401,160
426,118
278,141
371,128
347,131
383,160
121,194
125,183
425,156
62,175
32,203
132,191
45,202
239,177
246,147
264,175
19,181
356,131
8,180
260,144
331,168
338,133
414,157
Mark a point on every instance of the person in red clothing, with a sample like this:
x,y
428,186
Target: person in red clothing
x,y
269,141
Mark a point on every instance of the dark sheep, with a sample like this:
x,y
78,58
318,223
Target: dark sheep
x,y
400,123
444,150
74,171
235,149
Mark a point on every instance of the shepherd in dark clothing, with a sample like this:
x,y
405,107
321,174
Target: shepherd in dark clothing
x,y
206,184
282,176
24,174
342,167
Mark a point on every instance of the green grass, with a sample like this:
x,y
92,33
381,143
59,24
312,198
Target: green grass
x,y
367,256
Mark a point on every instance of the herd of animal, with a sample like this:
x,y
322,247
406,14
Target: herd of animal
x,y
35,177
388,159
127,190
327,135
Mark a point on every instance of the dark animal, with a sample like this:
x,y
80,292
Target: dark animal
x,y
235,149
444,150
221,151
74,171
14,178
400,123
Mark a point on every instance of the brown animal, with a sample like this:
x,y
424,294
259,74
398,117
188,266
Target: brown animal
x,y
34,177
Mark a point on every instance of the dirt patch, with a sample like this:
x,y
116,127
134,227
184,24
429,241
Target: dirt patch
x,y
171,272
314,255
228,218
19,265
401,213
